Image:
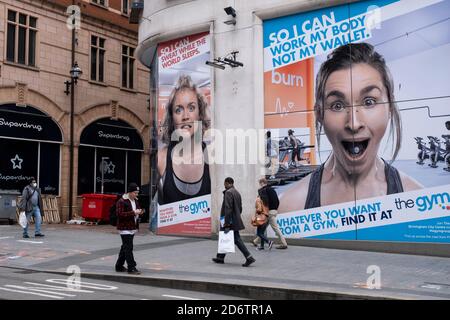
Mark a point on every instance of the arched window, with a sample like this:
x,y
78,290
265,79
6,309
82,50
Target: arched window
x,y
119,147
30,144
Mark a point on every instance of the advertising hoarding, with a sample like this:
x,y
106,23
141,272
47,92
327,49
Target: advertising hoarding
x,y
357,94
184,184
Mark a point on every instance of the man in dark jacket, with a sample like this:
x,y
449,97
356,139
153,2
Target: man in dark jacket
x,y
128,212
231,214
32,205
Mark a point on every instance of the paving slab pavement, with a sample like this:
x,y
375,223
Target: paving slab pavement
x,y
178,262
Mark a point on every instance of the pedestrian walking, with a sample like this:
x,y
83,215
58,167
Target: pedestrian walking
x,y
231,214
262,209
31,203
295,144
128,212
273,203
272,149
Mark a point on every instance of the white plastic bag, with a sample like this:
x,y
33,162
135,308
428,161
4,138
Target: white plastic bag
x,y
226,242
23,219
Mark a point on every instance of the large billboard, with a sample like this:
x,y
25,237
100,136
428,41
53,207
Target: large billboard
x,y
357,104
184,184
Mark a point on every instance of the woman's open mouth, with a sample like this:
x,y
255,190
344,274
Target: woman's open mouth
x,y
355,149
186,126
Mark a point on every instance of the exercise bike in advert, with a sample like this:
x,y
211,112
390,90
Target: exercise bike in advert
x,y
424,152
447,150
437,153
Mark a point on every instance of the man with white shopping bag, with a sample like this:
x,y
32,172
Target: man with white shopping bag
x,y
232,222
226,242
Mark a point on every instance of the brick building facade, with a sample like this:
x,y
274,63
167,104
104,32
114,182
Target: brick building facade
x,y
35,61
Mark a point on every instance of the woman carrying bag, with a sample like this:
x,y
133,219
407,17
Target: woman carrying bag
x,y
261,218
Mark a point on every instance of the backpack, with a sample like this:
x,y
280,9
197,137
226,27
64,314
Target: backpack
x,y
276,199
272,195
113,215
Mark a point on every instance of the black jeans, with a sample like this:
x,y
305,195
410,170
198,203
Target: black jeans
x,y
126,252
260,233
296,154
240,244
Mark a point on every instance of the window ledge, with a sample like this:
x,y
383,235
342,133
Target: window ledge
x,y
19,65
128,90
98,83
99,5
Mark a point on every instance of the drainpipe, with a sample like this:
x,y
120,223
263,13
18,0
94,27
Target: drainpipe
x,y
72,107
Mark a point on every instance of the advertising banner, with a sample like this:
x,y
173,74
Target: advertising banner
x,y
186,217
184,184
356,103
416,216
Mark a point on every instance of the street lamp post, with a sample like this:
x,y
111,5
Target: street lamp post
x,y
75,73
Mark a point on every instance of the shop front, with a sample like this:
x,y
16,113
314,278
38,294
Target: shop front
x,y
109,157
30,144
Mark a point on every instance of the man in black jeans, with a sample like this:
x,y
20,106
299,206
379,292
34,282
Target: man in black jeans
x,y
128,212
231,213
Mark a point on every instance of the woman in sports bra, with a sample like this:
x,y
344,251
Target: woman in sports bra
x,y
183,176
354,105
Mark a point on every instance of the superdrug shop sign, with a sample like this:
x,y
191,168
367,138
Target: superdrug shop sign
x,y
111,133
27,123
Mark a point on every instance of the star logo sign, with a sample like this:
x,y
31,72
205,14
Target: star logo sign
x,y
17,162
109,167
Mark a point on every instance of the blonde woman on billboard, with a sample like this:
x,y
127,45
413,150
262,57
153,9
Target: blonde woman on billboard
x,y
354,106
186,112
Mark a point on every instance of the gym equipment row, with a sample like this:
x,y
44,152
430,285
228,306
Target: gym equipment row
x,y
434,152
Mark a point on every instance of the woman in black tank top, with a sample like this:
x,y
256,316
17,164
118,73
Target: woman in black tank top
x,y
171,185
354,106
184,176
392,176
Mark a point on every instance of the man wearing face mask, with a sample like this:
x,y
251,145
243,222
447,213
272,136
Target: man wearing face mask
x,y
32,205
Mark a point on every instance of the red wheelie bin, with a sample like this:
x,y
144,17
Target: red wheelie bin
x,y
96,206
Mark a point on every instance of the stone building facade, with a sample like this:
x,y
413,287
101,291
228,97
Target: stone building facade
x,y
234,91
35,61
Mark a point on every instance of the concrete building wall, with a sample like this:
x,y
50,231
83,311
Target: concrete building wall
x,y
238,93
45,83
